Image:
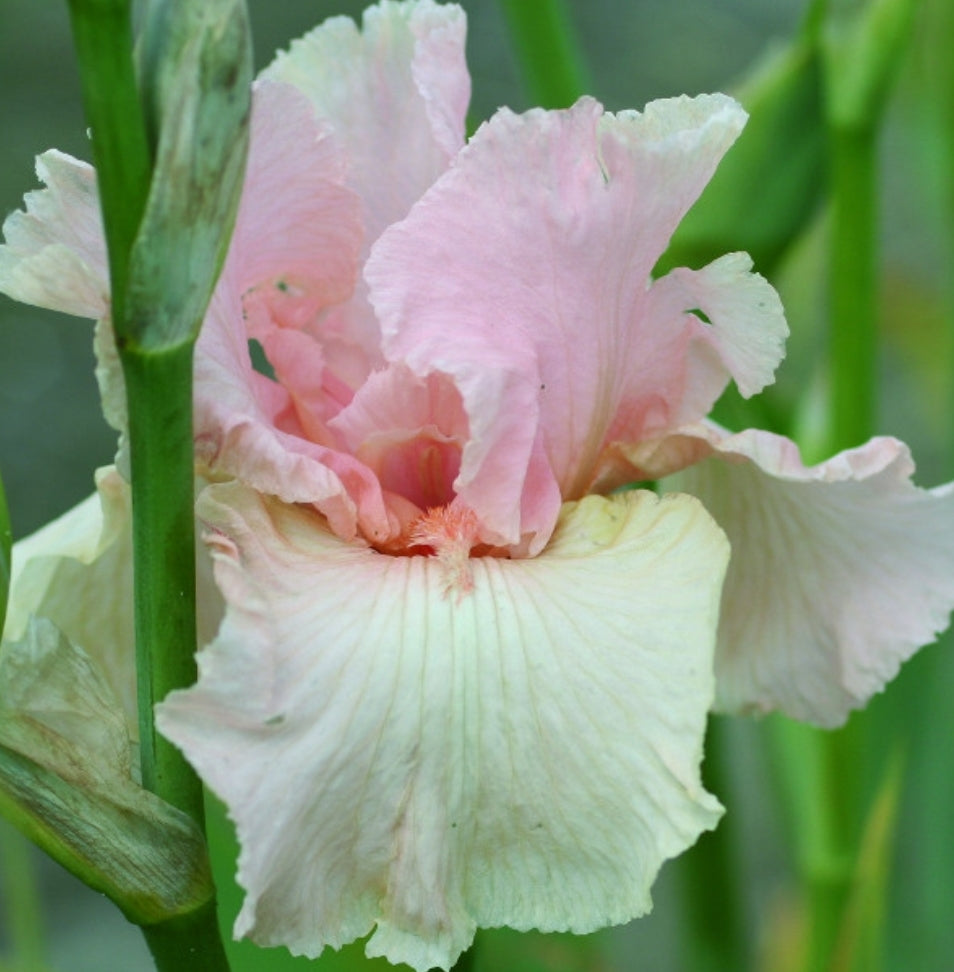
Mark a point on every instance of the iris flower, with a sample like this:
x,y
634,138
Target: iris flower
x,y
462,677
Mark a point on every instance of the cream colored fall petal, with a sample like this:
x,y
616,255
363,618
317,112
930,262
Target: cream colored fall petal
x,y
839,571
424,761
77,573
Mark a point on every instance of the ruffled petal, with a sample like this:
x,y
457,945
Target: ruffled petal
x,y
245,427
410,431
545,231
297,223
522,750
744,334
77,572
296,244
54,255
395,93
839,571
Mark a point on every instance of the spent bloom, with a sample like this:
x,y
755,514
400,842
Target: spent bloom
x,y
461,680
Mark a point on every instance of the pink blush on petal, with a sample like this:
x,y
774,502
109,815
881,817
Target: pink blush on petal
x,y
421,468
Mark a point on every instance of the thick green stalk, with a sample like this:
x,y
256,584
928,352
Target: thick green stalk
x,y
102,34
159,397
191,943
159,394
546,50
198,76
21,899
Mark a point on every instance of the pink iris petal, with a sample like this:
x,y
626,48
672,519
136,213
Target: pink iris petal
x,y
410,431
296,223
395,94
238,419
743,340
524,275
839,571
395,756
294,219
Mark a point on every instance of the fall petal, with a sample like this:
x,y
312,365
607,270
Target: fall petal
x,y
521,750
54,255
545,230
839,571
77,573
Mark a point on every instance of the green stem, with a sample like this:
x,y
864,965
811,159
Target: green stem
x,y
191,942
102,34
159,404
853,286
546,50
22,900
159,394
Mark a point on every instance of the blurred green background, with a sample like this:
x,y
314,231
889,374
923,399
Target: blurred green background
x,y
52,435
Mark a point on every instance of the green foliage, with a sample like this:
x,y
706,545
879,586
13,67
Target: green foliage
x,y
862,44
6,545
550,60
771,183
860,943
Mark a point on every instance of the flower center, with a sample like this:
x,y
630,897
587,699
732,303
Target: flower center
x,y
451,534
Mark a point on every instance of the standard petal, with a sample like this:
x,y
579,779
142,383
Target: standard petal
x,y
839,571
395,93
246,426
545,231
54,255
297,221
743,339
410,431
393,754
